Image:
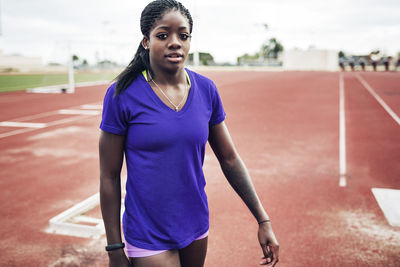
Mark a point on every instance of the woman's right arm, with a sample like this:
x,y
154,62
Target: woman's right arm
x,y
111,152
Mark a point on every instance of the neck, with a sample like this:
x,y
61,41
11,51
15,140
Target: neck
x,y
169,78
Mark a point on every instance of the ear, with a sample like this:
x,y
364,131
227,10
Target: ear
x,y
145,43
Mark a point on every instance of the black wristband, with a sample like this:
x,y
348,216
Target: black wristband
x,y
260,222
115,246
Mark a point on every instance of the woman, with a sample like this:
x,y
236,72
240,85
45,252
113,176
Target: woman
x,y
160,115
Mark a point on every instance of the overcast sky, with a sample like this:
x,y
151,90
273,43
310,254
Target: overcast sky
x,y
224,28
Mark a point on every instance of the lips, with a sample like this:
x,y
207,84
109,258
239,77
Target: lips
x,y
174,57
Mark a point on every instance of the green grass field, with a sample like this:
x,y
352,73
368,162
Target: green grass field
x,y
22,82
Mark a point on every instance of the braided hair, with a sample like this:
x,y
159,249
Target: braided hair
x,y
141,61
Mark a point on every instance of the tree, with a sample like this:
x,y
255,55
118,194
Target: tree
x,y
247,58
106,63
75,60
84,64
272,49
205,58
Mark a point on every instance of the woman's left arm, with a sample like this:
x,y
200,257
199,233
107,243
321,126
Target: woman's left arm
x,y
237,175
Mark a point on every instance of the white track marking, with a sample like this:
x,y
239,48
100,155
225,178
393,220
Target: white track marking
x,y
50,113
78,112
15,132
22,124
388,200
91,107
63,222
342,134
87,219
67,120
53,123
57,88
379,99
72,221
36,116
45,114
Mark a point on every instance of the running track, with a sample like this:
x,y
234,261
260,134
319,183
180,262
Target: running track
x,y
286,128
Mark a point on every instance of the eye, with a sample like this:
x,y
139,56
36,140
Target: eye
x,y
162,36
184,36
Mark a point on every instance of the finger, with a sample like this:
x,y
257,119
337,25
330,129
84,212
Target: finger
x,y
266,251
275,262
263,262
275,250
268,256
274,255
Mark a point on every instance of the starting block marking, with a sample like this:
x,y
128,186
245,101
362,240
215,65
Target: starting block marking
x,y
68,222
74,222
388,200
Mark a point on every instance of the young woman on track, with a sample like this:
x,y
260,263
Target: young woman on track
x,y
160,115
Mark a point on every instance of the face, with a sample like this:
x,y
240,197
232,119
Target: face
x,y
169,42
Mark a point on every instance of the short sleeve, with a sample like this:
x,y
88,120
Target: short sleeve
x,y
218,113
114,115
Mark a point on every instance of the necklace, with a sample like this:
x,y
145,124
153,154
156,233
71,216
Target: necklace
x,y
166,96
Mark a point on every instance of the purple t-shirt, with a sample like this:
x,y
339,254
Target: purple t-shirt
x,y
165,204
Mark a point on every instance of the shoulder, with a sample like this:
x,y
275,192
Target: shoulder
x,y
110,93
200,79
132,88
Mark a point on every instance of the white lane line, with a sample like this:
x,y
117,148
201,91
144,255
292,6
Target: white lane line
x,y
53,123
15,132
388,200
91,106
36,116
78,112
22,124
379,99
67,120
45,114
57,88
50,113
342,134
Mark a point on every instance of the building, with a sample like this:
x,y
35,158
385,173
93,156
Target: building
x,y
310,59
19,63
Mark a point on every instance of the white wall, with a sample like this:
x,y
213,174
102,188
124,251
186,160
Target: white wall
x,y
311,59
19,62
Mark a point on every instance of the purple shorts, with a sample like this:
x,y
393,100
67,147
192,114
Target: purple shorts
x,y
135,252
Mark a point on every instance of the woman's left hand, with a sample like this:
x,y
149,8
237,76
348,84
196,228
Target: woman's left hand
x,y
269,244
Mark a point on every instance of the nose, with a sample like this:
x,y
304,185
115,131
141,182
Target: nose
x,y
174,42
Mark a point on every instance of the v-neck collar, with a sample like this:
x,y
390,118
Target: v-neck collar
x,y
162,103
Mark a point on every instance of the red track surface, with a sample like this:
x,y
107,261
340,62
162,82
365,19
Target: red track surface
x,y
286,128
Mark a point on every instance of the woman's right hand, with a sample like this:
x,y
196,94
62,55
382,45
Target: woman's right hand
x,y
269,244
117,258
